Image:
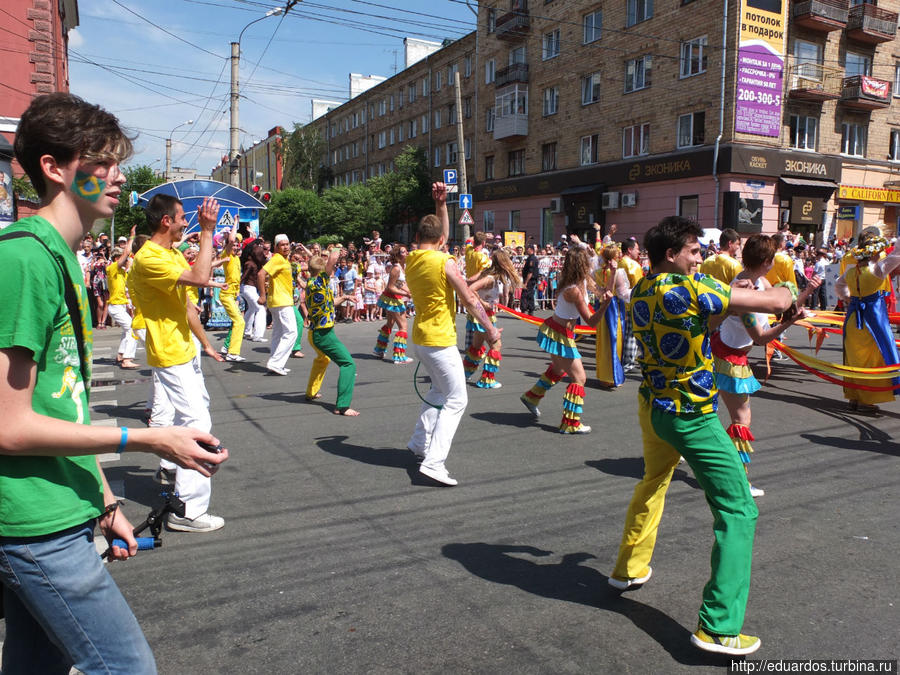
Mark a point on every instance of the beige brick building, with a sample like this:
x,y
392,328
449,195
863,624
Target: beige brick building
x,y
740,113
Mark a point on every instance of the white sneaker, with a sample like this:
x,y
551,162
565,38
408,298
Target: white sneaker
x,y
236,358
625,584
205,522
223,350
757,492
441,477
277,370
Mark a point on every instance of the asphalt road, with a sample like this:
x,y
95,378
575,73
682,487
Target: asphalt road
x,y
337,558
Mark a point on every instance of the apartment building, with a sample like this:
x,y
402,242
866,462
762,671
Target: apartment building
x,y
740,113
417,107
260,164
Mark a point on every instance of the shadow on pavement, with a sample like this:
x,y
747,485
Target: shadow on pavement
x,y
571,581
633,467
135,411
139,484
390,457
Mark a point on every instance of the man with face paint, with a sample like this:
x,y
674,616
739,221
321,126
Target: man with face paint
x,y
62,607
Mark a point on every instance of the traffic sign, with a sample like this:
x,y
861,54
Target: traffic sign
x,y
452,189
465,201
450,176
466,218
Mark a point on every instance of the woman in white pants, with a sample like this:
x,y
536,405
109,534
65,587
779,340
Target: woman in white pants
x,y
252,260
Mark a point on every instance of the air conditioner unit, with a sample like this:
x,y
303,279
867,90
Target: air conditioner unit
x,y
556,205
609,200
629,199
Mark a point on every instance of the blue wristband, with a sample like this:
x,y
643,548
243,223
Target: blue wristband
x,y
122,441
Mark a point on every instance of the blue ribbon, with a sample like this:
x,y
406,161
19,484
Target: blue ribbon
x,y
871,312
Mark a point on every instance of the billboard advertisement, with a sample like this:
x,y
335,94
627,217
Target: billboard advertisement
x,y
760,71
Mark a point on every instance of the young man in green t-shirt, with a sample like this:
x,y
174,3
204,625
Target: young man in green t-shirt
x,y
62,608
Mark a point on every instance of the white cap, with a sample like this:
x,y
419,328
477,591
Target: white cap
x,y
280,238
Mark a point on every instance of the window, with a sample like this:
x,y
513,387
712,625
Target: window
x,y
382,107
392,135
857,64
514,220
691,128
438,80
637,11
400,133
372,112
592,23
551,45
413,123
467,107
590,149
467,68
689,207
468,146
693,57
896,79
437,119
437,156
488,221
517,55
489,119
548,157
804,131
853,139
452,153
637,73
425,84
392,103
551,101
894,150
382,139
636,140
451,113
489,168
516,163
425,124
490,71
491,20
411,93
590,88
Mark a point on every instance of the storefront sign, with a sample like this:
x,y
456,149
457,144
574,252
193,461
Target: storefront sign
x,y
769,162
864,194
848,213
760,67
806,211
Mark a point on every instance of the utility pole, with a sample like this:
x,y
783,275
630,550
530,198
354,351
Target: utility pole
x,y
461,147
234,172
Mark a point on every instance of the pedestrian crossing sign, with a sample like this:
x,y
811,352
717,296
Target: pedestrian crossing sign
x,y
466,218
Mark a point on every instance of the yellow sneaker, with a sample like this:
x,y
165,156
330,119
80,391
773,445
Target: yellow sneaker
x,y
734,645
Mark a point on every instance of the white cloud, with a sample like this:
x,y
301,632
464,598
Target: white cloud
x,y
75,39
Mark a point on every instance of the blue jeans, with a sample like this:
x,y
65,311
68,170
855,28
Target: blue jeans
x,y
63,609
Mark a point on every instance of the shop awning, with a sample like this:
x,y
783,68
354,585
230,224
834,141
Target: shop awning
x,y
581,189
797,183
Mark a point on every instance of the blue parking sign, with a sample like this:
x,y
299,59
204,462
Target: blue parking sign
x,y
450,176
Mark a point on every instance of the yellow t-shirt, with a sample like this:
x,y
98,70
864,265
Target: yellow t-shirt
x,y
232,276
115,278
476,261
782,269
633,270
432,294
280,289
154,279
722,267
137,321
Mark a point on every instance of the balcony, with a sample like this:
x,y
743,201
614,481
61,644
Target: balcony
x,y
821,15
871,24
865,93
513,26
513,125
517,72
814,82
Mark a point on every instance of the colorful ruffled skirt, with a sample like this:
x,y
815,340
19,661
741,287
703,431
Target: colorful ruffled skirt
x,y
554,338
733,373
391,303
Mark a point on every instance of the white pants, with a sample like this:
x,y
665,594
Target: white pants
x,y
284,335
180,398
254,315
435,429
127,345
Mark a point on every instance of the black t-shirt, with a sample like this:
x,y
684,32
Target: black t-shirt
x,y
530,267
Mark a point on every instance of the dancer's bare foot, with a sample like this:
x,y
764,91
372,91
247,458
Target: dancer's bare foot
x,y
128,364
314,397
347,412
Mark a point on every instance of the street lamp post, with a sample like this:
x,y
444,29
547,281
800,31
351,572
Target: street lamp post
x,y
234,169
169,148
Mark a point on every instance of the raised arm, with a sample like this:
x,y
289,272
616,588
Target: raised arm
x,y
331,261
207,216
439,194
470,300
772,300
122,262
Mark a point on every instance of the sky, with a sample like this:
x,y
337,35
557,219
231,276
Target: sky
x,y
157,64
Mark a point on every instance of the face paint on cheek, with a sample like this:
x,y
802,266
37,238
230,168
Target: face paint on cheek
x,y
87,186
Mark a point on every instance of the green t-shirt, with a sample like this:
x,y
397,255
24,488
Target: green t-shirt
x,y
43,495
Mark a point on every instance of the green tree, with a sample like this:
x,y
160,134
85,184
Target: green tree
x,y
139,179
405,193
301,151
350,211
294,212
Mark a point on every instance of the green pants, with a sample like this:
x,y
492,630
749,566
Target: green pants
x,y
298,343
702,441
329,348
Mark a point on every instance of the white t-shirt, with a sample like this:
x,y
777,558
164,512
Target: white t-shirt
x,y
732,330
